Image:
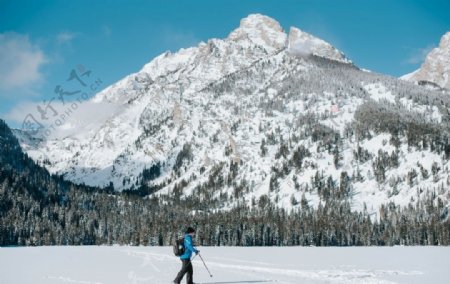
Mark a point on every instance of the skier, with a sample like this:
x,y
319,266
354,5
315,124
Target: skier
x,y
186,258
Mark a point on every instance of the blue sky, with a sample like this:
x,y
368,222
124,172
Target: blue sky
x,y
42,41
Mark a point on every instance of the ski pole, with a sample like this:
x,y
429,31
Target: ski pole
x,y
210,275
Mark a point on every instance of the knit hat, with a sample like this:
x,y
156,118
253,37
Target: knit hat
x,y
190,230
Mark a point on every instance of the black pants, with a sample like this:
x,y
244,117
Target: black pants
x,y
185,268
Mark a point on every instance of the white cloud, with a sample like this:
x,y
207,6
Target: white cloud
x,y
17,114
63,120
65,37
302,48
418,55
20,62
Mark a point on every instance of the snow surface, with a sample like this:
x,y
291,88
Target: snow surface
x,y
379,92
410,76
109,265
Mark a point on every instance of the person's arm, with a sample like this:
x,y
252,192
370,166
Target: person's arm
x,y
190,246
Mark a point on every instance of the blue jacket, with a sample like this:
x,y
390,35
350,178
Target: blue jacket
x,y
188,247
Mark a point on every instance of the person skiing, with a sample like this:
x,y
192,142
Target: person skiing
x,y
185,258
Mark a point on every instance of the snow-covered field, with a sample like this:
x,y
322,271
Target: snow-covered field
x,y
153,265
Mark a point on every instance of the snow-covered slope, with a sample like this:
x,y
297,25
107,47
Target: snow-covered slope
x,y
258,114
436,67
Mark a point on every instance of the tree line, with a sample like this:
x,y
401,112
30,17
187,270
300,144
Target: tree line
x,y
37,208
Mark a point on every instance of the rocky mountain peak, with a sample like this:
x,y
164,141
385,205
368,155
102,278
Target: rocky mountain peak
x,y
436,67
261,30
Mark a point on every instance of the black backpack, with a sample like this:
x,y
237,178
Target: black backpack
x,y
178,247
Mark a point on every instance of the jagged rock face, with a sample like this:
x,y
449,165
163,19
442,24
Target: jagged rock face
x,y
234,116
436,67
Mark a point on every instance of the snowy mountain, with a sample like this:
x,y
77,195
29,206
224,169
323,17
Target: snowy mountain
x,y
259,116
436,68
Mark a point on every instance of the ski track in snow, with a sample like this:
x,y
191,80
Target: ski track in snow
x,y
330,276
64,279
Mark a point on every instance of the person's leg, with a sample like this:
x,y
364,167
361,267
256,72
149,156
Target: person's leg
x,y
190,272
184,269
